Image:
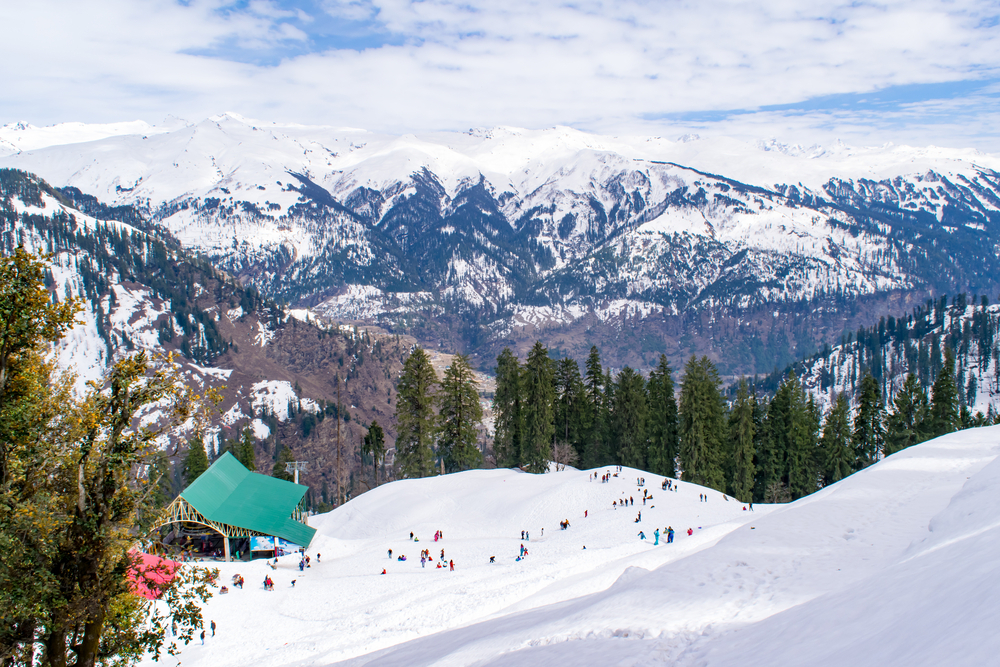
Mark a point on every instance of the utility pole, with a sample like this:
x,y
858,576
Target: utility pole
x,y
295,466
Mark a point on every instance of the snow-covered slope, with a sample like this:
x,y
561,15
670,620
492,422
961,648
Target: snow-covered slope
x,y
893,565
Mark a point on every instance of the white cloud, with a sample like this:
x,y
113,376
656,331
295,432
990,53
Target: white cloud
x,y
588,64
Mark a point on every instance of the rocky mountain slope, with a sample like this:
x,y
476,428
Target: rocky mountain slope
x,y
278,375
751,254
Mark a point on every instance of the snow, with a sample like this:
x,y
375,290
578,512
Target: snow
x,y
893,565
274,395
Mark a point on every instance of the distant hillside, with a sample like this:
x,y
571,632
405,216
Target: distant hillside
x,y
913,343
141,291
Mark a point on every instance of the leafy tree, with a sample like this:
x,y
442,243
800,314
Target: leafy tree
x,y
836,444
869,435
508,420
539,394
459,416
70,501
943,415
741,437
662,420
415,416
628,418
280,471
196,461
702,424
904,427
373,446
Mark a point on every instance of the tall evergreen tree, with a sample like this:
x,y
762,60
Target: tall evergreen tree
x,y
539,424
836,444
904,427
772,452
196,461
460,414
943,415
662,420
702,424
741,437
869,434
628,419
803,477
279,471
508,419
245,449
594,454
415,416
570,408
373,446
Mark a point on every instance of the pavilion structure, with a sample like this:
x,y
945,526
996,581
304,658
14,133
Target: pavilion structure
x,y
237,503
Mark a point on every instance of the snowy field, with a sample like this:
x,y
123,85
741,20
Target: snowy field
x,y
896,565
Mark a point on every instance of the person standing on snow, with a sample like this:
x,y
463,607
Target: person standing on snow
x,y
451,565
656,535
213,628
202,637
670,534
642,536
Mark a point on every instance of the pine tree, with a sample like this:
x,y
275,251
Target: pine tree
x,y
539,425
904,427
835,445
594,454
196,461
245,451
702,424
869,435
373,446
628,419
741,437
508,420
279,471
459,415
943,415
662,420
772,452
415,416
570,411
803,424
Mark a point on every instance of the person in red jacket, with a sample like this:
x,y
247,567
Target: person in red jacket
x,y
451,565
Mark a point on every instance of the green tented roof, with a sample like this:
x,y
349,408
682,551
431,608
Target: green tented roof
x,y
229,493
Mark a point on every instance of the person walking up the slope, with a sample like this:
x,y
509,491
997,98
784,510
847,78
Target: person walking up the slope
x,y
656,537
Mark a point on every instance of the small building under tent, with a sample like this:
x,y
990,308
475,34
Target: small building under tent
x,y
227,505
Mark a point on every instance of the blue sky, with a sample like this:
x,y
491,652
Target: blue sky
x,y
919,71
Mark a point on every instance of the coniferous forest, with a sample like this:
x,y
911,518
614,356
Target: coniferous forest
x,y
764,440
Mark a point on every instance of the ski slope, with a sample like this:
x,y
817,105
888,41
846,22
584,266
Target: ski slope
x,y
895,565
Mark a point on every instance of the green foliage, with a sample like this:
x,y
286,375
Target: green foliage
x,y
373,446
539,395
663,445
837,451
905,426
869,433
415,417
508,420
741,444
70,502
279,471
196,461
595,451
943,416
571,410
702,424
459,415
244,449
628,418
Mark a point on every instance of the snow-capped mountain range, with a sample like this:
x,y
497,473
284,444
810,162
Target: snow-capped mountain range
x,y
501,236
